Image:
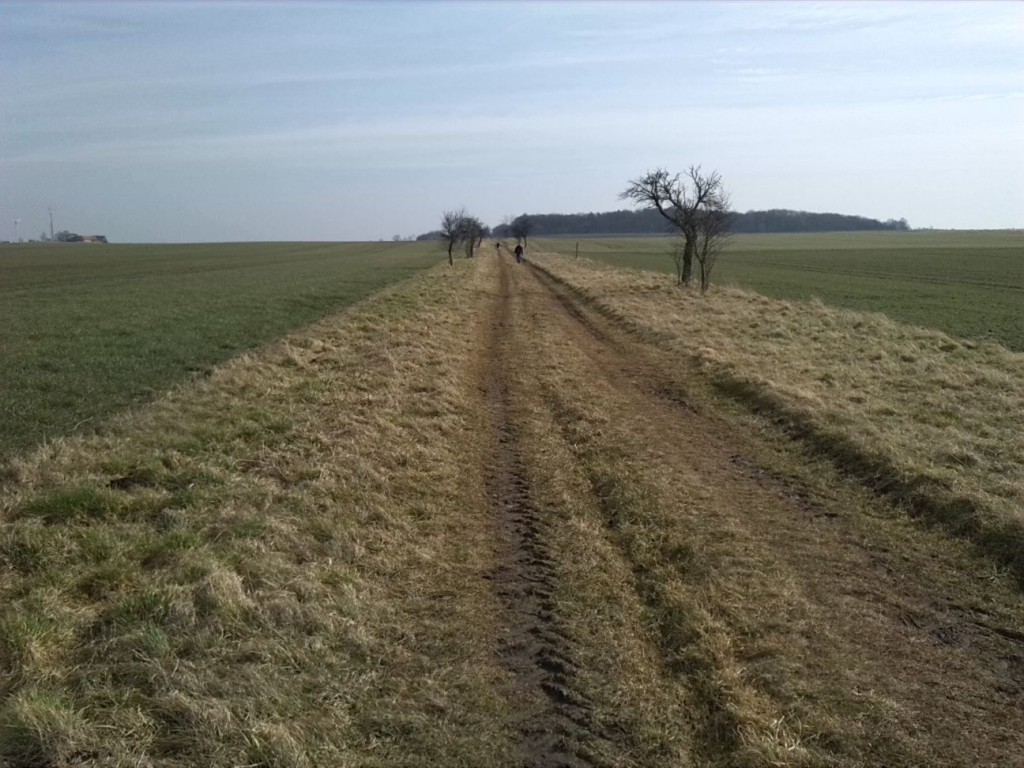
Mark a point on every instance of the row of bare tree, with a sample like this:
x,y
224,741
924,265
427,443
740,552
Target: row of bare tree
x,y
458,227
695,203
697,206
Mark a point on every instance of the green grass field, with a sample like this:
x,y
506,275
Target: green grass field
x,y
968,284
87,330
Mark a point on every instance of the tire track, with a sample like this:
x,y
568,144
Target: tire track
x,y
552,719
877,602
630,363
716,726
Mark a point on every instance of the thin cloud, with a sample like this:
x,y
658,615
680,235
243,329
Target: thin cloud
x,y
502,101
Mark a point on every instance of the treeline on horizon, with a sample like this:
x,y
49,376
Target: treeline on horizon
x,y
650,222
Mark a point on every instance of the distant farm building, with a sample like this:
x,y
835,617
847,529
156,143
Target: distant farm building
x,y
71,237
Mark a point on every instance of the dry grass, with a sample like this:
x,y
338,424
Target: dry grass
x,y
288,564
279,566
725,615
658,638
935,421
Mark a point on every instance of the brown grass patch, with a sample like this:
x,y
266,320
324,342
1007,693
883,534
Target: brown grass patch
x,y
281,565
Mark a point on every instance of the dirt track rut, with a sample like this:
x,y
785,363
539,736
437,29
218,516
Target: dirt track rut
x,y
553,719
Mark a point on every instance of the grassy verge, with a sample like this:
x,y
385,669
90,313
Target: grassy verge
x,y
86,331
281,565
968,284
934,421
687,626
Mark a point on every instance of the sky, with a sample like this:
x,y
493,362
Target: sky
x,y
181,122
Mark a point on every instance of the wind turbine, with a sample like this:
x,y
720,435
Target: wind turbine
x,y
16,222
51,223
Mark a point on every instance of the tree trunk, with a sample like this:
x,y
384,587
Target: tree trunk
x,y
450,262
687,277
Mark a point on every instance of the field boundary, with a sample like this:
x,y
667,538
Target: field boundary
x,y
91,335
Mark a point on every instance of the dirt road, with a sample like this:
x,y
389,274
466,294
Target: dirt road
x,y
680,588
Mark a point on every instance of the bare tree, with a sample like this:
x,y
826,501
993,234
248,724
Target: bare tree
x,y
683,201
472,234
453,225
485,231
712,234
520,228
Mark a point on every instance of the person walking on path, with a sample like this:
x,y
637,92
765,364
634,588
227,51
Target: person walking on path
x,y
519,253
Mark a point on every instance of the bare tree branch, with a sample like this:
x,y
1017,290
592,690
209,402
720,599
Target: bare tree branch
x,y
656,188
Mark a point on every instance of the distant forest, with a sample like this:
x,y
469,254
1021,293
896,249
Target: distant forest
x,y
650,222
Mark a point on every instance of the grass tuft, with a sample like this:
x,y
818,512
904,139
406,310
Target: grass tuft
x,y
39,729
71,505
